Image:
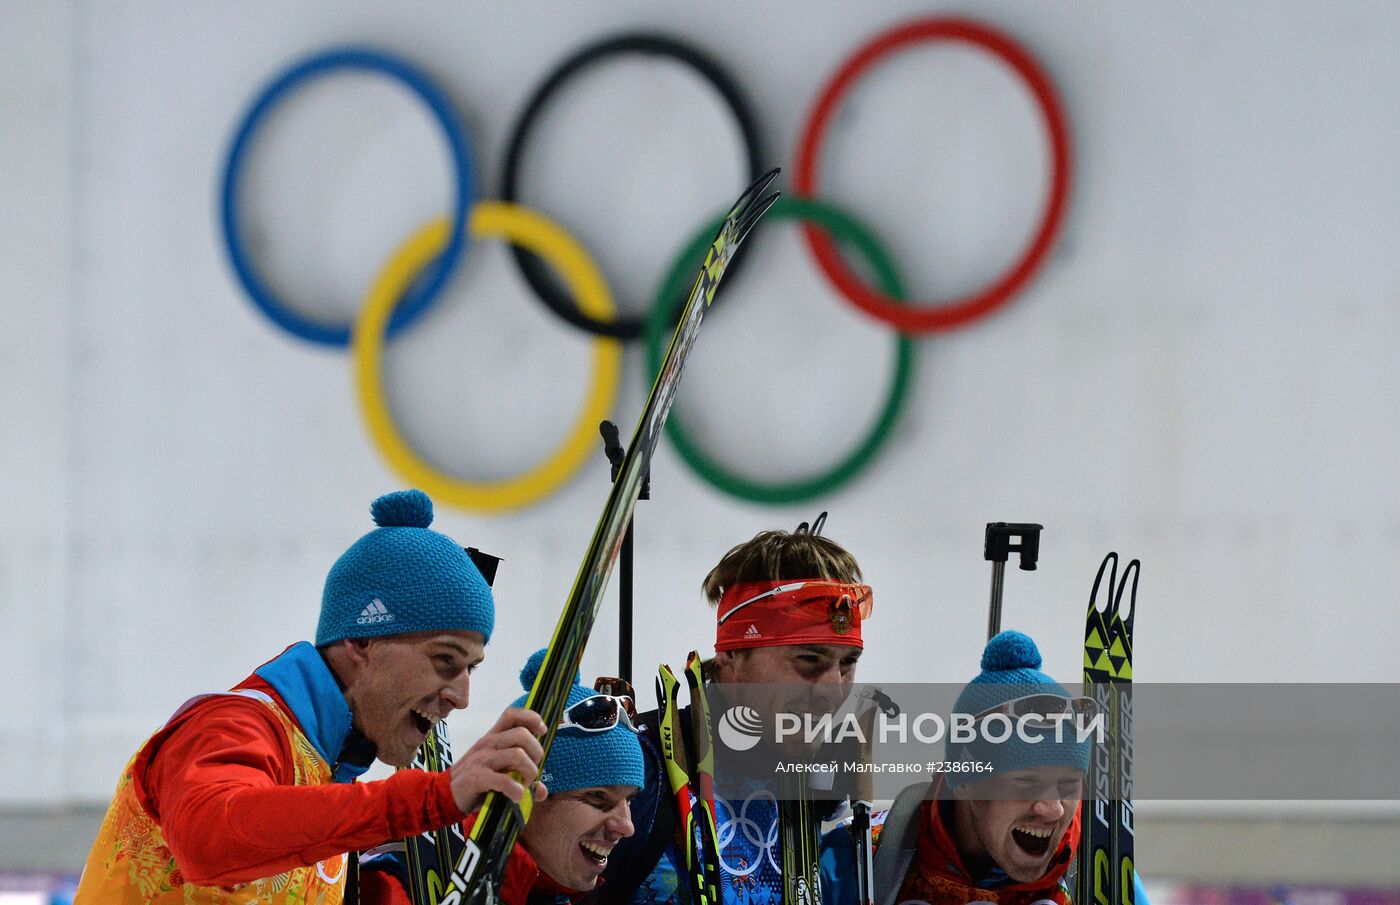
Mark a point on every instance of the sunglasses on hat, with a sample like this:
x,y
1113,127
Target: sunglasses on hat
x,y
1047,707
598,713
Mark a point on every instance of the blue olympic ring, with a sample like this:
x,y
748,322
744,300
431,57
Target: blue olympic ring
x,y
418,298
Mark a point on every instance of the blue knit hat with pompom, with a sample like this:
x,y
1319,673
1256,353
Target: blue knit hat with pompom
x,y
582,760
403,577
1011,669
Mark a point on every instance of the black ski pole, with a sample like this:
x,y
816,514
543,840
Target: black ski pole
x,y
863,796
612,447
997,547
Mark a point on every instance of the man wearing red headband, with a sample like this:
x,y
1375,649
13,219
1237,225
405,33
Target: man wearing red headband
x,y
789,609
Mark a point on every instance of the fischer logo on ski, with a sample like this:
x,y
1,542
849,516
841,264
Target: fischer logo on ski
x,y
1106,874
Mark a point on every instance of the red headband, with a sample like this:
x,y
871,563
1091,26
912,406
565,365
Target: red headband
x,y
797,611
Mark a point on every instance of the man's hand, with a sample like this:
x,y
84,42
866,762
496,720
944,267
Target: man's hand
x,y
512,746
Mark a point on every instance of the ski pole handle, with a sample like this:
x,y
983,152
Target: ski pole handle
x,y
997,548
612,446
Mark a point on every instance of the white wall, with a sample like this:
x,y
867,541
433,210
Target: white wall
x,y
1201,377
38,250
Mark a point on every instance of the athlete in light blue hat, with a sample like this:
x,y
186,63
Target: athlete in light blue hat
x,y
593,770
255,788
1006,836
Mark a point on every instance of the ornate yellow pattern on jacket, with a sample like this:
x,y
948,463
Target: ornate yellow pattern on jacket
x,y
130,863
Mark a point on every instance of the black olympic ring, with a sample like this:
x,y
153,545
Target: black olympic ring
x,y
534,270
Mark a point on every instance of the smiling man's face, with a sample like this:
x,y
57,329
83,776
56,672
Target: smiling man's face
x,y
571,834
1017,820
403,684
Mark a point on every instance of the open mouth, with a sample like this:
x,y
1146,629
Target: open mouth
x,y
421,721
596,854
1032,841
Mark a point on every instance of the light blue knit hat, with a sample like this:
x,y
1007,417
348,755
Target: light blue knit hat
x,y
403,577
1011,669
582,760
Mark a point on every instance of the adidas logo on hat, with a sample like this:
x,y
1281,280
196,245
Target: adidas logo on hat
x,y
375,613
753,632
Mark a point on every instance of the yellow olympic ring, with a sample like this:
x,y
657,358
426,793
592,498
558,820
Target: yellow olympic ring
x,y
524,227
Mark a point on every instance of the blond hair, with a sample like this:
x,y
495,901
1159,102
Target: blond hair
x,y
780,555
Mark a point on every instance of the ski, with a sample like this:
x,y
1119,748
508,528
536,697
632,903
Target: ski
x,y
477,874
678,773
702,760
690,772
1106,874
1120,654
1096,886
431,854
800,835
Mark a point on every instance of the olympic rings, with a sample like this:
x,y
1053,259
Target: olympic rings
x,y
314,66
545,238
763,841
420,268
534,271
1001,289
846,229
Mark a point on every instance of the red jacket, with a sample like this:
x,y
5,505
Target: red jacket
x,y
218,781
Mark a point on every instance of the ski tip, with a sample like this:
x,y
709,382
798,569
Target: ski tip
x,y
1109,565
752,216
1133,569
760,185
754,190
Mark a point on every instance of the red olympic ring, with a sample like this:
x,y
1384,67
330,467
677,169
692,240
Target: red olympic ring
x,y
999,291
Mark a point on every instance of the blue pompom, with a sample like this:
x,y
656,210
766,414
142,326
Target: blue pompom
x,y
1010,650
532,670
403,509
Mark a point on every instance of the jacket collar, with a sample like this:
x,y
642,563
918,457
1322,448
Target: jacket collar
x,y
307,686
